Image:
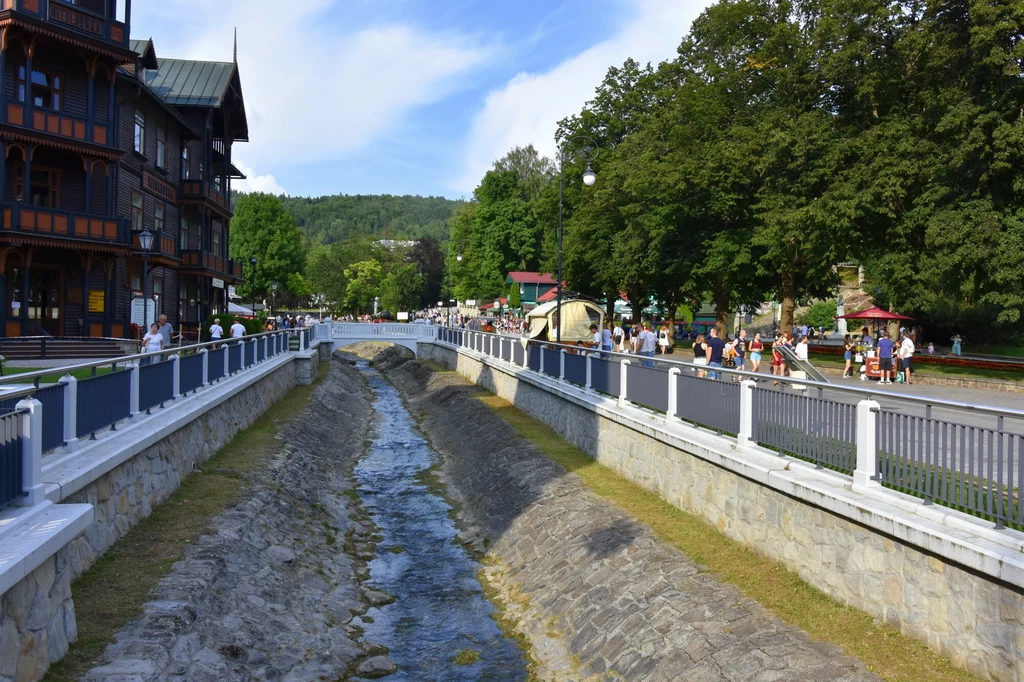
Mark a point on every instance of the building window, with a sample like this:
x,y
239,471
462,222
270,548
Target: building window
x,y
46,88
216,243
136,284
140,132
183,234
201,176
137,212
186,171
158,216
161,147
44,186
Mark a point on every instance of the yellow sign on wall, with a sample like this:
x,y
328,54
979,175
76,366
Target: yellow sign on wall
x,y
96,301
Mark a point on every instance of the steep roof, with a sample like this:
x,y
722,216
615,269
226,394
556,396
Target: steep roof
x,y
548,295
146,51
189,83
530,278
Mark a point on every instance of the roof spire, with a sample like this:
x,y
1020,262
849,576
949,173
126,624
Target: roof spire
x,y
236,44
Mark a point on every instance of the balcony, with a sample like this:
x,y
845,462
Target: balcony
x,y
57,124
193,259
201,190
162,245
36,221
75,17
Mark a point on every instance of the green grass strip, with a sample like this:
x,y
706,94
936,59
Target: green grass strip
x,y
881,647
112,592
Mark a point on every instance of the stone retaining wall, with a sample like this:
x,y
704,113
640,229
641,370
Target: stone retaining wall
x,y
127,494
37,620
974,620
37,615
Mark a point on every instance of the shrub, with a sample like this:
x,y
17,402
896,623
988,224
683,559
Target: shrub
x,y
821,314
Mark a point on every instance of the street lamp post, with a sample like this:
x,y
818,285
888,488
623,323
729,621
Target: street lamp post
x,y
146,242
252,290
588,152
273,308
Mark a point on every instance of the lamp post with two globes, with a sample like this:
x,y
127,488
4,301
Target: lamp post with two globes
x,y
146,242
587,152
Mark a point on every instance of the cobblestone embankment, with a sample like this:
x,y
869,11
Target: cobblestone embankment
x,y
591,585
270,593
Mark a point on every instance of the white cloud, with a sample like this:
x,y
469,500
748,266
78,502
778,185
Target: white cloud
x,y
313,93
255,183
527,109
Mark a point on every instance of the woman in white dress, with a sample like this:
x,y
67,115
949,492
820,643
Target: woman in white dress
x,y
152,342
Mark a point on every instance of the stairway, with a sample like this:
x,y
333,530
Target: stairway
x,y
84,348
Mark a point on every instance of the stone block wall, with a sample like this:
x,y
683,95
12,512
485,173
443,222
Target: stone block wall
x,y
127,494
307,365
37,621
973,619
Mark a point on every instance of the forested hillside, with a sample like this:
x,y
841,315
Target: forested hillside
x,y
336,218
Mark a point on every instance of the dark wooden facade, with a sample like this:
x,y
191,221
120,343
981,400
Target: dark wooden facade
x,y
91,155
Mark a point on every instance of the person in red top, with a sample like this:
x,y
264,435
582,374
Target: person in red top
x,y
778,362
756,346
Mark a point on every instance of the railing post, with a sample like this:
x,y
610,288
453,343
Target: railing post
x,y
746,433
867,445
623,376
32,452
71,408
561,365
526,355
589,372
542,359
175,376
206,365
672,413
227,359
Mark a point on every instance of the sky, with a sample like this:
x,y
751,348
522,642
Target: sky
x,y
407,96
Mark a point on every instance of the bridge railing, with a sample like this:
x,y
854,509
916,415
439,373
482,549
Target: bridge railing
x,y
966,456
361,330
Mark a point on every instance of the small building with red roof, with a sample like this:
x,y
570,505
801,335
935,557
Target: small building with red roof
x,y
532,286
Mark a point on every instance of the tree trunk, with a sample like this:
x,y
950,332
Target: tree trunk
x,y
788,302
721,306
610,307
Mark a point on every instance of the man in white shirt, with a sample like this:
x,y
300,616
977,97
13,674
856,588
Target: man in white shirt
x,y
237,330
906,354
595,337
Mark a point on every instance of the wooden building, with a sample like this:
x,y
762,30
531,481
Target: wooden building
x,y
101,140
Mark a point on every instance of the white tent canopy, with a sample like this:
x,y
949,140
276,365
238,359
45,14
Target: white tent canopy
x,y
235,309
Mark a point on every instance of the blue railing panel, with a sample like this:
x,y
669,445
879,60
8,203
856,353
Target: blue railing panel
x,y
534,362
261,353
709,402
647,386
518,352
235,357
810,427
10,458
216,364
250,353
551,362
52,400
576,369
604,375
191,372
103,400
156,384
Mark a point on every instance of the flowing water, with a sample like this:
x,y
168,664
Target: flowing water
x,y
439,608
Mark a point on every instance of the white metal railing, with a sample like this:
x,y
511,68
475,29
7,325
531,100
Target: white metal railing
x,y
962,455
364,330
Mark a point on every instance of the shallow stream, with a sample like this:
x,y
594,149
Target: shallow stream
x,y
439,608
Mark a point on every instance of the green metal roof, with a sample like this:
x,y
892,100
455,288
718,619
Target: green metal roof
x,y
190,83
145,50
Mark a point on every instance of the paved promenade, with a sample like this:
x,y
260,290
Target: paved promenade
x,y
625,604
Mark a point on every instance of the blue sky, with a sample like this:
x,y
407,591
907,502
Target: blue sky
x,y
407,96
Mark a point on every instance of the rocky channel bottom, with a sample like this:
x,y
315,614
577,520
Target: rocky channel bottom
x,y
271,594
595,593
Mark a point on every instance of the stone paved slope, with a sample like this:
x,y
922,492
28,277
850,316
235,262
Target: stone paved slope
x,y
630,607
270,594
